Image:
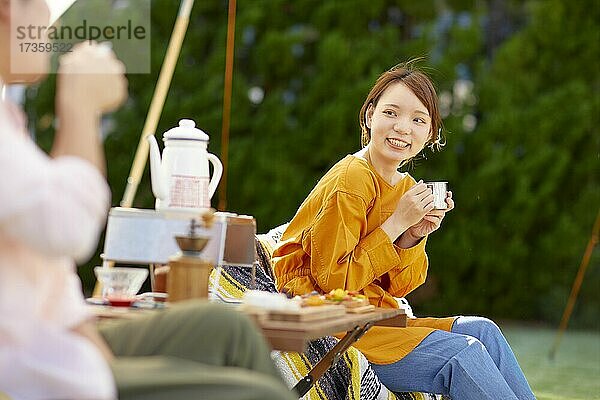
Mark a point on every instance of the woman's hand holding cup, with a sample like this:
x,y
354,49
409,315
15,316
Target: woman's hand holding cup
x,y
411,208
433,219
91,81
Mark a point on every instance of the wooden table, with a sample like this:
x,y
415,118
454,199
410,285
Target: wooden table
x,y
295,335
109,312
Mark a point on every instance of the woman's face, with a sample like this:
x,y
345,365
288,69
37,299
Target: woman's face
x,y
400,125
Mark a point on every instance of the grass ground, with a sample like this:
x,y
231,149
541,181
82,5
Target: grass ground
x,y
574,374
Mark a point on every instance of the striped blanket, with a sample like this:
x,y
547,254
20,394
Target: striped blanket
x,y
351,378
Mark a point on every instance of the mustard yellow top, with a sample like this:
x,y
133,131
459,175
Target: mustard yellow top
x,y
335,241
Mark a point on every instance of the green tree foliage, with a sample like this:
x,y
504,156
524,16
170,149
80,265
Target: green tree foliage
x,y
526,179
519,88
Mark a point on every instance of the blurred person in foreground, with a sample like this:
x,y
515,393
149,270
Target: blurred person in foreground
x,y
52,209
364,228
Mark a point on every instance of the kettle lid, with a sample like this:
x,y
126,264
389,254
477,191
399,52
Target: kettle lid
x,y
186,130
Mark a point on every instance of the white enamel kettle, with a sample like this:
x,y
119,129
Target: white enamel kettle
x,y
181,180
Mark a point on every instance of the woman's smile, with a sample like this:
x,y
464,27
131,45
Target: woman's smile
x,y
399,144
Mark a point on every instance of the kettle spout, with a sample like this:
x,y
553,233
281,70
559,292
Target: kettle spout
x,y
158,185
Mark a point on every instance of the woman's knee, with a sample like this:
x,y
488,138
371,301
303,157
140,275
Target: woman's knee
x,y
470,351
475,326
448,346
463,354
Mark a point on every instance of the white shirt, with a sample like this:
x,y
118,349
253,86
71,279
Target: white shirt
x,y
51,213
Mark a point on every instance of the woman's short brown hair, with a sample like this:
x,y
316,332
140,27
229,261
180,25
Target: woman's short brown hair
x,y
420,84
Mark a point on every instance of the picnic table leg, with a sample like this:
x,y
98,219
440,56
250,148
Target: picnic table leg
x,y
329,359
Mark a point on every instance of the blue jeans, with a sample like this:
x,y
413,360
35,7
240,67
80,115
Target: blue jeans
x,y
474,361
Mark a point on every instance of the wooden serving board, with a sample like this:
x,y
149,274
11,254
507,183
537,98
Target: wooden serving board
x,y
305,314
361,309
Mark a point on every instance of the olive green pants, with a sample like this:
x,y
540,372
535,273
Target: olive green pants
x,y
194,350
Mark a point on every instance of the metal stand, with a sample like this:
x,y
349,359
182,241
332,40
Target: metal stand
x,y
329,360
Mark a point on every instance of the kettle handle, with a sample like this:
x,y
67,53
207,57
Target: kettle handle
x,y
217,172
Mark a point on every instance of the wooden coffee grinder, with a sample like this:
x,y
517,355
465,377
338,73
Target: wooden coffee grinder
x,y
188,271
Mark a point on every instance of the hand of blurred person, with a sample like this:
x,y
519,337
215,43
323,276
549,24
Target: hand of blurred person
x,y
90,82
91,78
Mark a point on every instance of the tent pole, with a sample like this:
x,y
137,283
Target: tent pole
x,y
576,286
227,88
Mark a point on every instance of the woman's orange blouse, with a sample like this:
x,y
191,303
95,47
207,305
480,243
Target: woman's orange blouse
x,y
335,241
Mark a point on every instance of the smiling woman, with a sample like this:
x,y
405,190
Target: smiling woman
x,y
399,127
364,227
420,85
